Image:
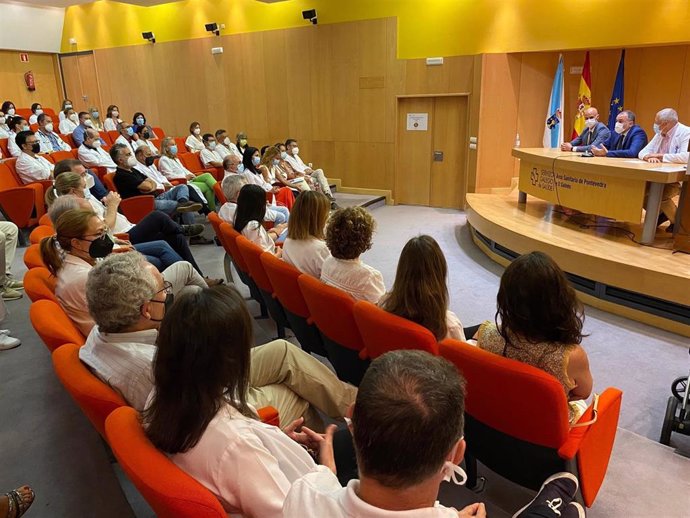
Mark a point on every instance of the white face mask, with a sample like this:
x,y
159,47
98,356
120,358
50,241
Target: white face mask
x,y
67,106
74,118
197,131
295,150
619,128
88,123
132,161
283,155
87,193
89,181
452,472
590,123
227,141
657,129
49,127
10,112
24,128
96,144
212,146
116,113
38,112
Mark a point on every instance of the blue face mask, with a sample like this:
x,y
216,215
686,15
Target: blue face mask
x,y
657,130
130,131
173,149
94,115
276,161
140,121
256,160
240,168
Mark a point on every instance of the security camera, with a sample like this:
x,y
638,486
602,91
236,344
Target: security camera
x,y
212,27
149,36
310,14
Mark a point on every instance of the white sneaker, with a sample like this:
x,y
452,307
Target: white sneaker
x,y
7,342
4,331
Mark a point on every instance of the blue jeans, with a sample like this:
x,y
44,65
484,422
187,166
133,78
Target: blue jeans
x,y
167,202
158,253
282,214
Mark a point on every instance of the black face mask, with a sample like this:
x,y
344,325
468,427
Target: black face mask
x,y
149,160
101,247
36,147
146,134
169,301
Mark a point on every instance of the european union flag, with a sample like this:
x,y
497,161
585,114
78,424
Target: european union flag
x,y
617,96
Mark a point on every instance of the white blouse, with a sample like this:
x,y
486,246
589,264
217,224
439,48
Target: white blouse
x,y
136,144
257,234
67,126
194,144
353,276
110,124
248,465
307,255
172,168
207,156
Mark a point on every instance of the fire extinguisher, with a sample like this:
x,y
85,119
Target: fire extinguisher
x,y
30,81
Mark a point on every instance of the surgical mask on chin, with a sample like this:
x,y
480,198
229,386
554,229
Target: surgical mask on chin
x,y
590,123
657,129
452,472
240,168
619,128
295,150
283,155
132,161
256,160
49,127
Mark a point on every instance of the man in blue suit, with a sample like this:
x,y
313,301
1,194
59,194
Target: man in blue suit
x,y
595,133
627,141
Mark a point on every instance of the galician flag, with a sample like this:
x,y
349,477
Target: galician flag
x,y
584,98
553,128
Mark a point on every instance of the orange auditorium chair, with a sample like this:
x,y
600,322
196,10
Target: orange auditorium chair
x,y
112,135
106,138
284,279
218,191
109,182
39,284
68,138
168,490
33,127
45,220
192,161
251,254
181,148
383,331
32,257
332,310
160,134
53,325
22,204
51,112
96,399
4,149
137,208
40,232
59,156
517,423
12,166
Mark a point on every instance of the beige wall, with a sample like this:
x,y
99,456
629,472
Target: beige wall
x,y
12,85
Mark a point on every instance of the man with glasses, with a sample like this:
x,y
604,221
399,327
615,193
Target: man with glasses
x,y
31,167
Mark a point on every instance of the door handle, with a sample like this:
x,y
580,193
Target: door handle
x,y
438,156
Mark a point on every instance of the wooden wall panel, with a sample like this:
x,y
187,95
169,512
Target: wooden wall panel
x,y
48,87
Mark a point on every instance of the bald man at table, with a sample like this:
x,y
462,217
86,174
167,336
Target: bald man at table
x,y
627,140
595,134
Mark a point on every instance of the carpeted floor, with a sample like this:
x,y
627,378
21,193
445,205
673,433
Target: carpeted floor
x,y
47,442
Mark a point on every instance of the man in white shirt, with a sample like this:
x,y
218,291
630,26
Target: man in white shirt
x,y
223,144
17,124
92,154
127,300
670,144
127,136
232,184
31,167
49,140
209,156
300,167
400,472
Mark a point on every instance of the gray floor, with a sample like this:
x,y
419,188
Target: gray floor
x,y
47,442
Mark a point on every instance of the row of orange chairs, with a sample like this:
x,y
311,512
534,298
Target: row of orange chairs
x,y
517,415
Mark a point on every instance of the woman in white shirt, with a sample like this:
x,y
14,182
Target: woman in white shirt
x,y
96,119
9,109
348,235
194,142
36,110
273,174
172,169
69,122
200,416
250,212
420,293
112,118
305,246
144,135
66,105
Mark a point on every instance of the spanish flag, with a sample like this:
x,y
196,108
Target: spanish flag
x,y
584,98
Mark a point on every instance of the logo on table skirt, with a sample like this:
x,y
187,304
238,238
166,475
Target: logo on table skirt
x,y
534,176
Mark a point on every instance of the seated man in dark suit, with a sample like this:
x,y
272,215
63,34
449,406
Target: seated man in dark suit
x,y
627,141
595,133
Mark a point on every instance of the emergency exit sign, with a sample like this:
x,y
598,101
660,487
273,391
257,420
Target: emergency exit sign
x,y
24,57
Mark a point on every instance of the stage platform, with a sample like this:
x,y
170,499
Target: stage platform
x,y
610,270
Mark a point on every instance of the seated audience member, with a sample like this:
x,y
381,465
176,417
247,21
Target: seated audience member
x,y
273,174
317,175
402,393
305,246
155,226
595,134
79,132
225,146
9,286
49,140
17,124
131,182
241,142
232,165
627,140
248,465
96,119
92,154
112,118
80,238
249,215
31,167
289,171
250,161
144,139
348,235
36,110
209,156
93,183
8,109
232,183
139,120
4,128
127,136
541,324
194,142
66,105
172,169
68,121
420,292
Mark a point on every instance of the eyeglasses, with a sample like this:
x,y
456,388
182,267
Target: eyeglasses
x,y
167,288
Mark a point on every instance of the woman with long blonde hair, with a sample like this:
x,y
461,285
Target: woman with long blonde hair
x,y
272,172
305,246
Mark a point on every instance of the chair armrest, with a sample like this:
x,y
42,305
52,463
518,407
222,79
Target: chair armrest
x,y
269,415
